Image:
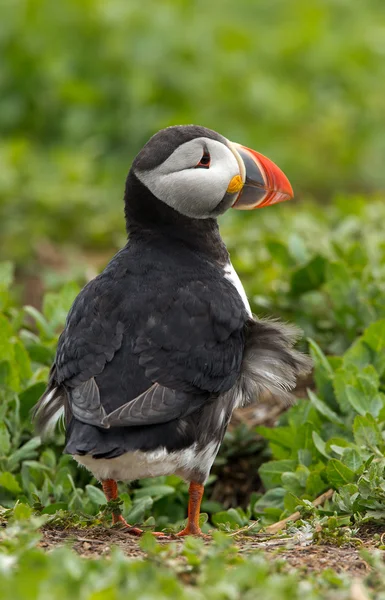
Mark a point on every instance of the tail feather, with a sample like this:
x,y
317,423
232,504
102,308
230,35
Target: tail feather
x,y
270,363
50,408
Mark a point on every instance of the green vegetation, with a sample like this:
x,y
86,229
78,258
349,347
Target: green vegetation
x,y
191,572
328,276
83,85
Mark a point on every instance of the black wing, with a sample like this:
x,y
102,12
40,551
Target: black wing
x,y
92,335
190,347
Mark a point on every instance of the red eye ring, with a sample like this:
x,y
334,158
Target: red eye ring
x,y
205,161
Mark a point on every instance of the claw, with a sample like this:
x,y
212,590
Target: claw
x,y
190,531
135,530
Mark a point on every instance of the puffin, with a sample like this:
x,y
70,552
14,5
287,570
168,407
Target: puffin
x,y
160,348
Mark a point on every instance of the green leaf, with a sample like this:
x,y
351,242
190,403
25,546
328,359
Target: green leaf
x,y
305,457
148,543
57,305
9,482
22,361
337,473
291,483
5,440
25,452
271,472
7,354
323,409
366,432
279,252
358,389
297,248
95,495
140,506
320,445
282,436
48,458
345,497
358,355
41,354
272,499
302,435
28,399
364,404
51,509
334,443
6,274
323,373
374,336
342,378
22,512
228,518
349,309
315,483
155,491
352,459
6,278
43,326
319,357
309,277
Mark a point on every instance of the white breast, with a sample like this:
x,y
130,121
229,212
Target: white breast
x,y
232,275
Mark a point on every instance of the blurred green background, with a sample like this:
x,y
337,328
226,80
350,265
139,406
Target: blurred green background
x,y
84,84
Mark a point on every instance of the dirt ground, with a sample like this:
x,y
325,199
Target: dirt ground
x,y
98,541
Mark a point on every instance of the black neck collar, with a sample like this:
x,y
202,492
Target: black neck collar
x,y
147,217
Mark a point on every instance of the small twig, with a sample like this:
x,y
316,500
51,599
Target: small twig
x,y
244,529
80,539
295,516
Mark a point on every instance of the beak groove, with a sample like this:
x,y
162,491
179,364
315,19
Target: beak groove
x,y
264,182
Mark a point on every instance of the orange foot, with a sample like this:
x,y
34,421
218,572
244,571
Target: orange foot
x,y
110,488
135,530
190,529
193,531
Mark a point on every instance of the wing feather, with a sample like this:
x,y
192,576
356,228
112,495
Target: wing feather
x,y
156,405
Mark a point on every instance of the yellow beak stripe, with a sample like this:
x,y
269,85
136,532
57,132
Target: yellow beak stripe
x,y
235,185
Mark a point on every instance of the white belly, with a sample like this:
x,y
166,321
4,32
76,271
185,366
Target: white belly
x,y
140,465
232,275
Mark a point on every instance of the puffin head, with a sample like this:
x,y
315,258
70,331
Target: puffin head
x,y
200,174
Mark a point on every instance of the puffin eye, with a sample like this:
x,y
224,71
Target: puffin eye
x,y
204,162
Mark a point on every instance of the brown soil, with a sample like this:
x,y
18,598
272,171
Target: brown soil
x,y
98,541
315,557
92,542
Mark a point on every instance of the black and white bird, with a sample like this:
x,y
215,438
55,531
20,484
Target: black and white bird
x,y
161,347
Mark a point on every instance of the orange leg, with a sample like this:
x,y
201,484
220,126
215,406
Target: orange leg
x,y
194,505
110,489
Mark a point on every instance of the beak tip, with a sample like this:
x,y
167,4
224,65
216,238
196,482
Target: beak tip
x,y
270,183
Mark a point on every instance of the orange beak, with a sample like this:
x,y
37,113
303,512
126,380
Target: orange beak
x,y
263,182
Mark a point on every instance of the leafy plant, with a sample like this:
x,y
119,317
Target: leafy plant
x,y
334,440
189,571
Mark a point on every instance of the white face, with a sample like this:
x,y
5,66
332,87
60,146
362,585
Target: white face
x,y
192,190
